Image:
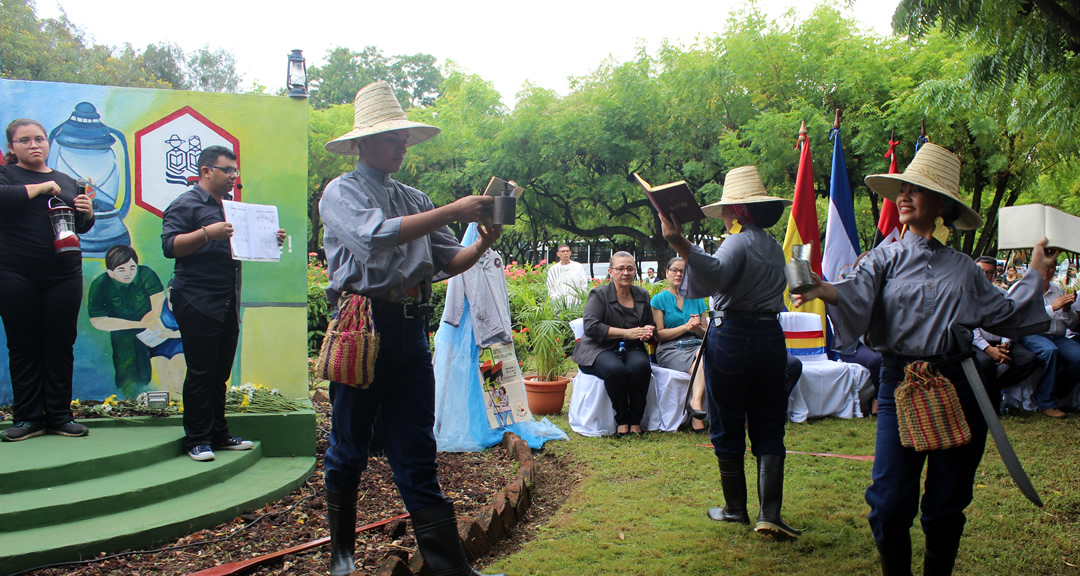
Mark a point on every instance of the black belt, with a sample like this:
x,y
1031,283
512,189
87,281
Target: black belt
x,y
725,314
937,361
406,310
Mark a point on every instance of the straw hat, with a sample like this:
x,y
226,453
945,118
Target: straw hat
x,y
376,110
742,186
933,168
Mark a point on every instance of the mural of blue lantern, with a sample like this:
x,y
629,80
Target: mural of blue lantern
x,y
83,147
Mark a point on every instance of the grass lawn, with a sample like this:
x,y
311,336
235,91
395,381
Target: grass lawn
x,y
640,509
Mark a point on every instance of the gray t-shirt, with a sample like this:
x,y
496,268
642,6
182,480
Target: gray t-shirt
x,y
361,213
746,274
919,298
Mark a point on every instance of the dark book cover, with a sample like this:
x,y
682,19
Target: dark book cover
x,y
673,200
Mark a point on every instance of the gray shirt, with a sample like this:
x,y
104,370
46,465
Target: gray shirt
x,y
746,274
919,298
361,213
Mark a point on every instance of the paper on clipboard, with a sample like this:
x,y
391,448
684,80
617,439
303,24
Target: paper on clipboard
x,y
255,229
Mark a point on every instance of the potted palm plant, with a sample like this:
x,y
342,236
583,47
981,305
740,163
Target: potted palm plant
x,y
545,323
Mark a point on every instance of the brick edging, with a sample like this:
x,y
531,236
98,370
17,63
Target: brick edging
x,y
494,521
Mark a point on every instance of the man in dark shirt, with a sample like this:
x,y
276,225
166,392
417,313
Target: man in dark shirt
x,y
206,299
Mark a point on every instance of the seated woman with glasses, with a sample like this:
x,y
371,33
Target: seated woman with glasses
x,y
618,320
679,331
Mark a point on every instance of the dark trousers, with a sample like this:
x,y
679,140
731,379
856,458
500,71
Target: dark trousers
x,y
894,494
40,309
626,382
1060,360
404,388
870,360
746,387
1022,365
209,350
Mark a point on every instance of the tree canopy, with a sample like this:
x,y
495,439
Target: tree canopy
x,y
57,50
415,78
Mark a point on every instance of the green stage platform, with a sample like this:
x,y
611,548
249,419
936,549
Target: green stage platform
x,y
129,484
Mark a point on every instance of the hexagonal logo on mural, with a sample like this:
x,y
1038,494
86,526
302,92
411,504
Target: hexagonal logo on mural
x,y
167,156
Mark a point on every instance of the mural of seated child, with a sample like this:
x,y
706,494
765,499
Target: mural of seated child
x,y
129,302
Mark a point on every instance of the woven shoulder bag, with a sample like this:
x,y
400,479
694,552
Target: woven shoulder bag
x,y
350,345
928,411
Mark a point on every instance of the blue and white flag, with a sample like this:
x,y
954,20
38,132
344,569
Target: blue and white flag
x,y
841,237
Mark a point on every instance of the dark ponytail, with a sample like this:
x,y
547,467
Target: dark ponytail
x,y
9,157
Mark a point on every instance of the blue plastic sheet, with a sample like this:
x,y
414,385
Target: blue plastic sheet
x,y
461,423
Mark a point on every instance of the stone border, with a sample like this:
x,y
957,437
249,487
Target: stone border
x,y
494,522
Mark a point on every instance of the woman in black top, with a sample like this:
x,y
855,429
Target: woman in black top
x,y
618,320
40,290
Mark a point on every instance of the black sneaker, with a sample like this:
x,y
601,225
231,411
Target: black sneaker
x,y
21,431
201,453
72,428
234,443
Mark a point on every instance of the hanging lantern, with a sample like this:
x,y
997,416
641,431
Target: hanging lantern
x,y
296,79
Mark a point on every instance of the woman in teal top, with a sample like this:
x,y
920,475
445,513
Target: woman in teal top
x,y
678,321
680,331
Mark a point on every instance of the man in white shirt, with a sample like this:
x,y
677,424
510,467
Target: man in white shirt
x,y
1003,362
1053,349
566,279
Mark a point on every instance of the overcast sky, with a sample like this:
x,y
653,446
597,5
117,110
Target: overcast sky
x,y
503,42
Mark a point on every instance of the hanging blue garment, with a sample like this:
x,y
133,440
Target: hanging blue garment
x,y
461,422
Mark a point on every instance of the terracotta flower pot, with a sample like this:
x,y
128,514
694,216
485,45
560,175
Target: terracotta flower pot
x,y
546,397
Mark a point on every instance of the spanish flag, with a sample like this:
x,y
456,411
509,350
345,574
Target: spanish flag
x,y
803,223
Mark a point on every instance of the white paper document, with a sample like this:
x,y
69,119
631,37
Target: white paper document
x,y
255,229
1022,227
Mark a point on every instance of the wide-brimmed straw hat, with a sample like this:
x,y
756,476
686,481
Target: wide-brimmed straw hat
x,y
742,186
376,110
933,168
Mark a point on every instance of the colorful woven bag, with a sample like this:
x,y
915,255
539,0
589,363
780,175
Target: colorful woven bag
x,y
350,345
928,411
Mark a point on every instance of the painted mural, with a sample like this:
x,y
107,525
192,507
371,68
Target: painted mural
x,y
139,148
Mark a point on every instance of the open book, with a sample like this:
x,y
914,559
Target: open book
x,y
255,229
1023,227
497,185
673,200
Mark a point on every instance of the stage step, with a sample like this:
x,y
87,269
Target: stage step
x,y
267,480
51,460
129,485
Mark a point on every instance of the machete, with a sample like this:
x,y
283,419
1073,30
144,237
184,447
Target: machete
x,y
1008,455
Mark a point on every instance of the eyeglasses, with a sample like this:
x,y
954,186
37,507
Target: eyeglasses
x,y
228,170
624,269
39,140
676,270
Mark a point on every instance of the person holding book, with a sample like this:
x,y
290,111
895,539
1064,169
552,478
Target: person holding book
x,y
919,300
618,321
385,242
745,353
679,331
206,300
40,288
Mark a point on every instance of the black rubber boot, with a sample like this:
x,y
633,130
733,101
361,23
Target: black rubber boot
x,y
895,557
938,561
771,497
341,512
733,482
437,540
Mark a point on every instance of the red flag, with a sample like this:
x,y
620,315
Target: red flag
x,y
803,223
889,221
